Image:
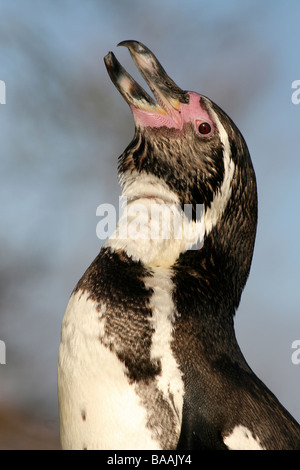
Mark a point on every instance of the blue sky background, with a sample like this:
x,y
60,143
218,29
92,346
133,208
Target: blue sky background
x,y
64,125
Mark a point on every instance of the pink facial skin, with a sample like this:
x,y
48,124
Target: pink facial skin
x,y
188,112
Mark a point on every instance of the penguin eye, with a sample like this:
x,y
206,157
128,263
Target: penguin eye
x,y
204,128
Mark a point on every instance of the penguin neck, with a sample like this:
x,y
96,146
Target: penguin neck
x,y
220,268
209,284
154,228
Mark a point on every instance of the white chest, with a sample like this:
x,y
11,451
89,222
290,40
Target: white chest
x,y
100,408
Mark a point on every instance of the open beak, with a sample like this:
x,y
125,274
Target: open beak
x,y
168,95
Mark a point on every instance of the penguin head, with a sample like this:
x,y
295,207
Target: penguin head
x,y
193,150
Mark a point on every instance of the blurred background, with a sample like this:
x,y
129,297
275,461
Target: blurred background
x,y
61,130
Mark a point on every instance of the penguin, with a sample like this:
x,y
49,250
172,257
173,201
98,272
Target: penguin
x,y
148,358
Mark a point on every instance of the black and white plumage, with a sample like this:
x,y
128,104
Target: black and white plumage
x,y
148,356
